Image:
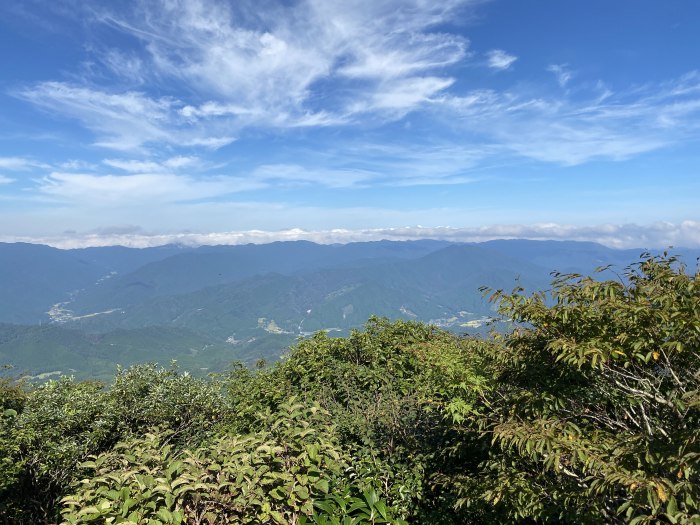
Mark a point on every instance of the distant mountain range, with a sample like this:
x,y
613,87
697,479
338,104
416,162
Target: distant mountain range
x,y
82,311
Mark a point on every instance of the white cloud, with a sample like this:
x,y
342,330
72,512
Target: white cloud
x,y
295,174
125,120
562,73
488,127
75,164
570,131
215,109
128,190
246,66
355,164
133,166
128,66
499,59
181,161
19,164
657,235
412,164
149,166
5,180
398,98
319,63
125,182
122,121
212,143
399,55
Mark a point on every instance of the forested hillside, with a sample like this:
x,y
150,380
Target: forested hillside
x,y
83,312
586,411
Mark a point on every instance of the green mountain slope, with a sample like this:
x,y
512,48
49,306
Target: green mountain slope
x,y
441,287
209,306
34,277
42,351
216,265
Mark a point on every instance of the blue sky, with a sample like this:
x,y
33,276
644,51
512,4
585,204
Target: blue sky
x,y
205,121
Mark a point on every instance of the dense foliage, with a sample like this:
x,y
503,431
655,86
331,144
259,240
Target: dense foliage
x,y
594,408
586,411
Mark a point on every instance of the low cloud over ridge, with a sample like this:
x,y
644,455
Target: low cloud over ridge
x,y
657,235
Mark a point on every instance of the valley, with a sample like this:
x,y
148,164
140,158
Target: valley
x,y
83,312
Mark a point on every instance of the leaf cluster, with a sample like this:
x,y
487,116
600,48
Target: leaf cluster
x,y
593,414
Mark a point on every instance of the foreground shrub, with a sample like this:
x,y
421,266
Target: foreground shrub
x,y
292,472
386,388
146,396
58,424
594,406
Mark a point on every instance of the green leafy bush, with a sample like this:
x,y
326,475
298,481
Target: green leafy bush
x,y
292,472
594,406
146,396
61,422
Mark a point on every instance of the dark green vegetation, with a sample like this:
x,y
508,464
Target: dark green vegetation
x,y
57,350
208,306
586,411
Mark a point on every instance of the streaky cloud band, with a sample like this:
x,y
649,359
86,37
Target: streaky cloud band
x,y
656,235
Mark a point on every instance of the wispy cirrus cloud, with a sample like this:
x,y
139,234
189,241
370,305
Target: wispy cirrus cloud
x,y
171,181
414,164
558,129
19,164
151,166
243,66
375,54
5,180
122,121
396,99
571,131
499,59
294,174
562,73
135,189
326,63
271,61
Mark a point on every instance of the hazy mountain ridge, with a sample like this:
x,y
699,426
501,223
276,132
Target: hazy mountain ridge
x,y
34,277
437,286
208,266
250,301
